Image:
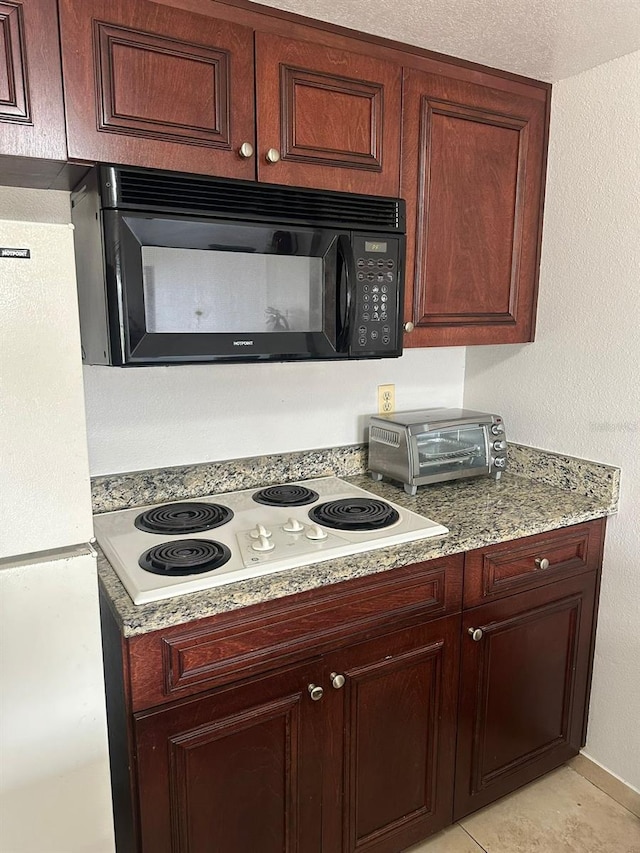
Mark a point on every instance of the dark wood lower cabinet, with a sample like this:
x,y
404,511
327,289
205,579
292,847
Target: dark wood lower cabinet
x,y
237,771
399,737
265,766
359,717
523,688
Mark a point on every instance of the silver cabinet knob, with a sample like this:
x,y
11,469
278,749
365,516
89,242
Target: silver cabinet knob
x,y
337,680
246,150
315,692
272,155
542,562
408,327
475,634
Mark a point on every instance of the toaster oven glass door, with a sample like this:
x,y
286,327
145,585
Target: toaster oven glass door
x,y
452,450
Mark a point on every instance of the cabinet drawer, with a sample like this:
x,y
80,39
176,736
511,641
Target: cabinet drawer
x,y
501,570
191,658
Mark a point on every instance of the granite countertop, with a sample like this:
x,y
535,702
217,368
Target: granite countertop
x,y
539,493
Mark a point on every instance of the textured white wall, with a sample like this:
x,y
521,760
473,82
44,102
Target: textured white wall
x,y
158,416
576,390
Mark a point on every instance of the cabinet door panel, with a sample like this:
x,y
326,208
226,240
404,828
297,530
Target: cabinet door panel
x,y
333,116
400,702
31,111
472,176
237,771
163,88
523,689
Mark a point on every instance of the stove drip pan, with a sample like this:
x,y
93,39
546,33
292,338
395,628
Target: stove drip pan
x,y
289,494
181,518
355,514
184,557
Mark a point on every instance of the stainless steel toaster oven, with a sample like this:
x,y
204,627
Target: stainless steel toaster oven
x,y
433,445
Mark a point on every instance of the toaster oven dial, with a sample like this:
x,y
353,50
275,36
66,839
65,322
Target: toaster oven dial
x,y
500,445
500,462
496,429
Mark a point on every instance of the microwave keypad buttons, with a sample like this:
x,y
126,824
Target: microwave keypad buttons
x,y
376,296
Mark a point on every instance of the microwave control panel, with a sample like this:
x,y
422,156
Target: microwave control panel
x,y
377,302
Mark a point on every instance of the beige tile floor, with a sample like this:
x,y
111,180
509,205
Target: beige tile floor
x,y
560,813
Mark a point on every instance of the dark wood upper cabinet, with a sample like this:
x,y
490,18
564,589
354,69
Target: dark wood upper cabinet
x,y
31,107
523,688
332,116
472,174
241,91
151,85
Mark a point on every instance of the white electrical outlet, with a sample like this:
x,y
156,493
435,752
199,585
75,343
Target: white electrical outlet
x,y
386,399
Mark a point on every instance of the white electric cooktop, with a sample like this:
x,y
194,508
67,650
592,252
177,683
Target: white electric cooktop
x,y
185,546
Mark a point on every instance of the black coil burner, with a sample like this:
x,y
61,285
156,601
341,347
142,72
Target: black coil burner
x,y
288,494
184,557
354,514
183,518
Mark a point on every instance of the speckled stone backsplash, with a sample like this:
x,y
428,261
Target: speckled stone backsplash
x,y
139,488
593,479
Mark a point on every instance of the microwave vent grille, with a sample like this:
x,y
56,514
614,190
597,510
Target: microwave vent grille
x,y
195,194
384,436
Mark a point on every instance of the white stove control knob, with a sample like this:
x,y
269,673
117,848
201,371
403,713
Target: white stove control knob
x,y
316,532
293,526
260,530
263,544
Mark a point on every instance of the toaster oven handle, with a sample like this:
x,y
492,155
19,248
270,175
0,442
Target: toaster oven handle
x,y
346,281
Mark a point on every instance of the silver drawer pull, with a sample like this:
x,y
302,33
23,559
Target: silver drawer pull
x,y
337,680
475,634
315,692
542,562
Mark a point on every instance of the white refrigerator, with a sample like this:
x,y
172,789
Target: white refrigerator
x,y
54,779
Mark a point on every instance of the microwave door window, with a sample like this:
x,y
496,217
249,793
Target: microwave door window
x,y
234,288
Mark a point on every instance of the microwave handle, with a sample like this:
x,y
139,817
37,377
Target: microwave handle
x,y
346,281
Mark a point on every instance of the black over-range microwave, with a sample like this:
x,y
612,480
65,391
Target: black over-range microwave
x,y
175,268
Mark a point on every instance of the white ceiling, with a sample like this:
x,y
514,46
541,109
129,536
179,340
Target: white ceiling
x,y
544,39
